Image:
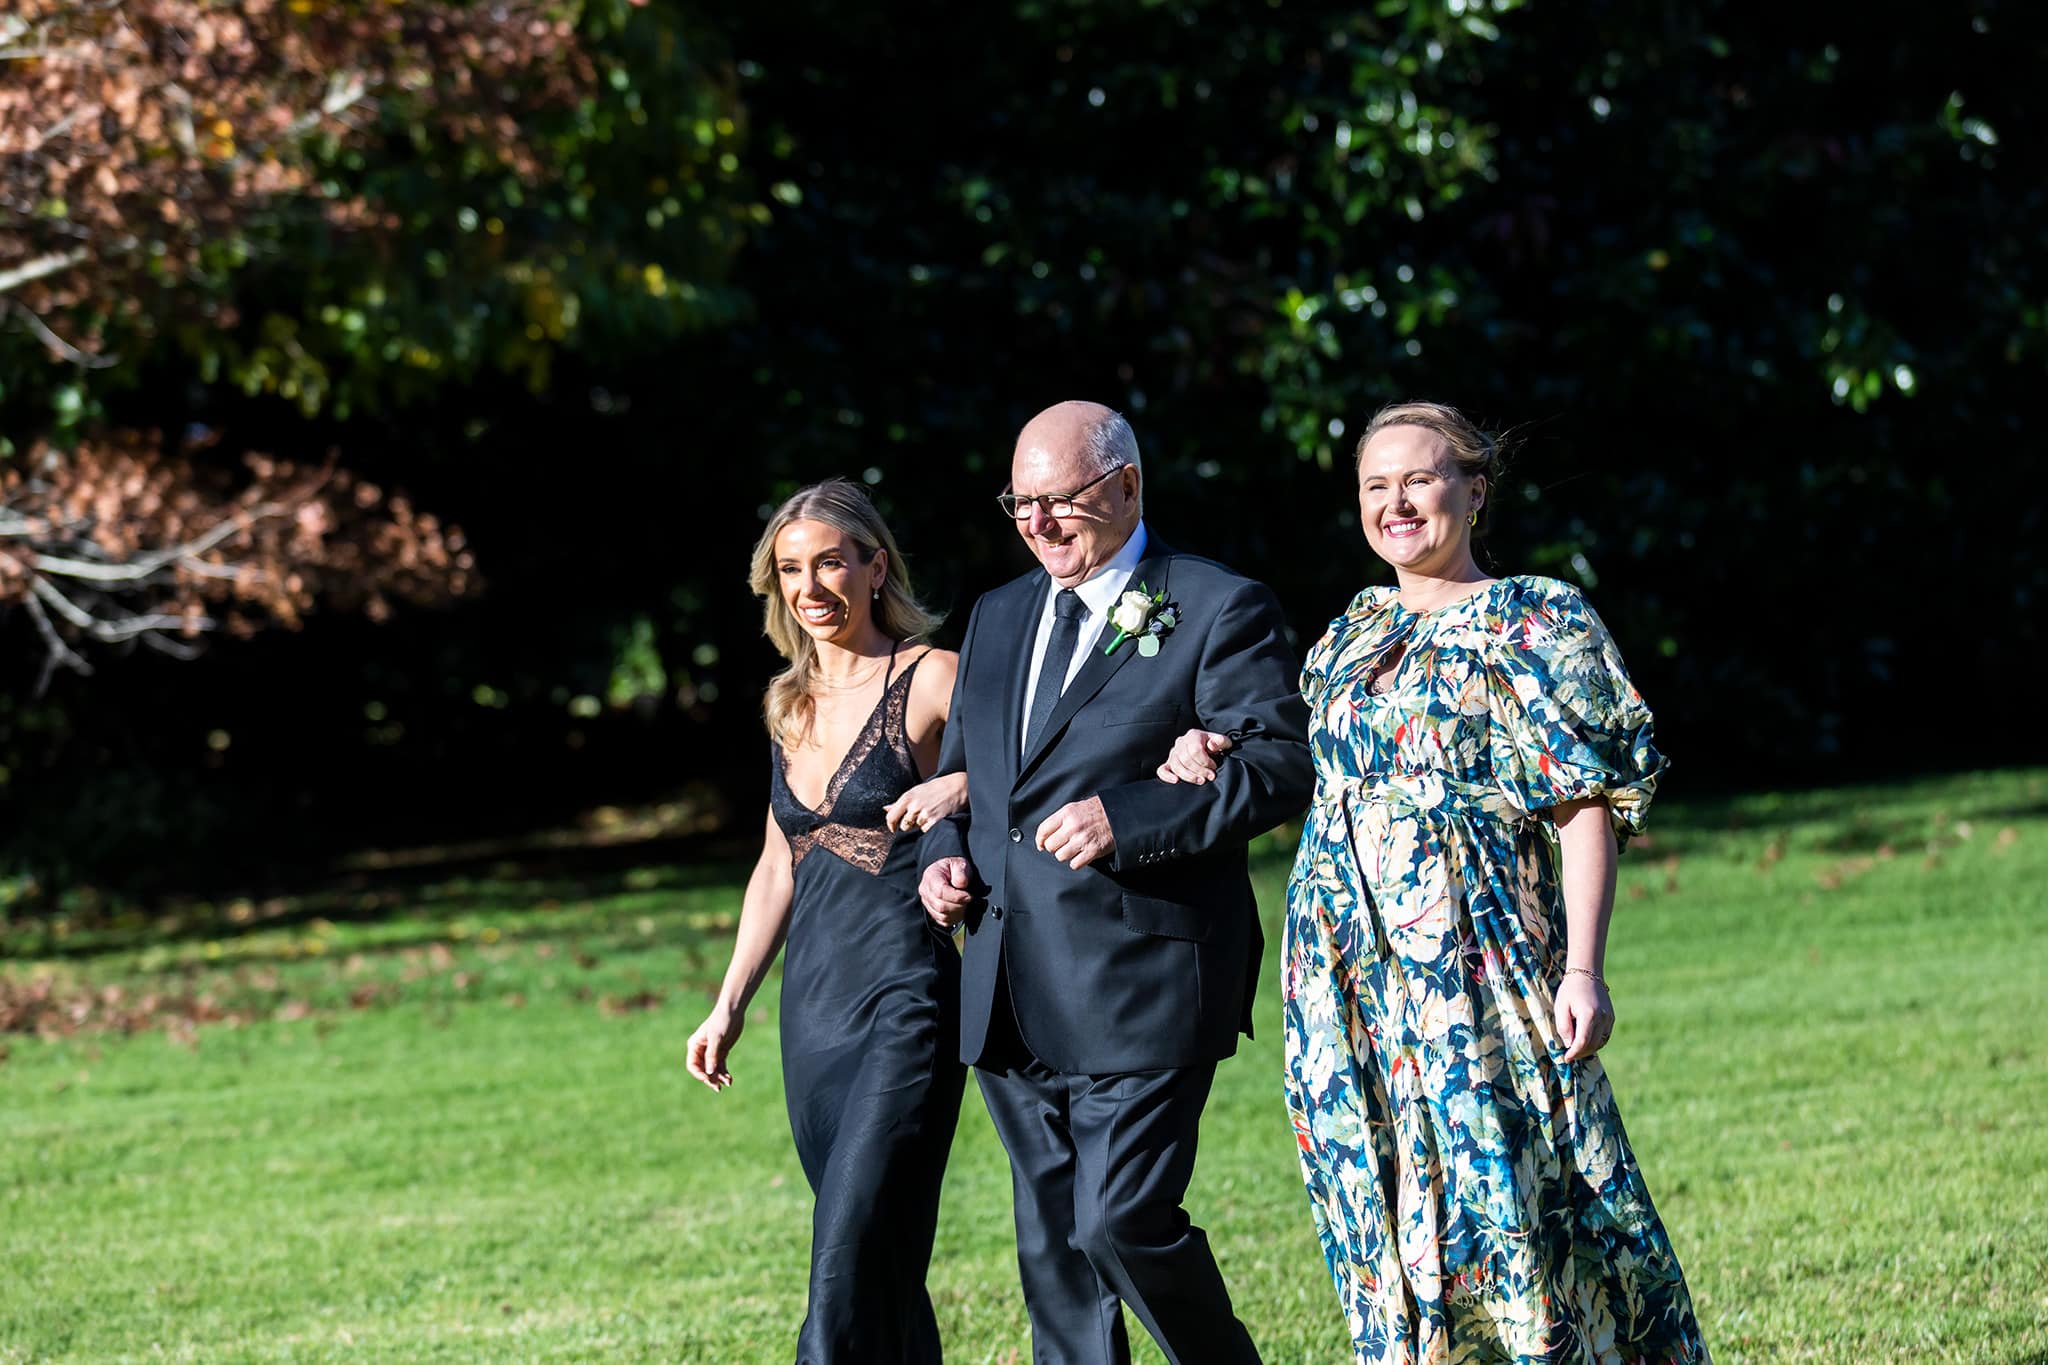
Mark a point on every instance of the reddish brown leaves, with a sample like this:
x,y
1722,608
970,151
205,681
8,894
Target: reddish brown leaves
x,y
121,541
43,1007
134,134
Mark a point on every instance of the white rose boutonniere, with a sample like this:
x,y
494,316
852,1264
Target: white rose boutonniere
x,y
1130,612
1144,616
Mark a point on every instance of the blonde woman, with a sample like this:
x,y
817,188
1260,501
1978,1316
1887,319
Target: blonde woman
x,y
871,989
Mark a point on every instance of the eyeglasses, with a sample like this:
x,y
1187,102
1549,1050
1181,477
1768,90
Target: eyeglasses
x,y
1055,504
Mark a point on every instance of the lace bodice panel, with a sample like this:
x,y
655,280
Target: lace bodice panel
x,y
876,770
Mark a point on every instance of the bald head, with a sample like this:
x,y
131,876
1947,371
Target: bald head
x,y
1087,450
1100,434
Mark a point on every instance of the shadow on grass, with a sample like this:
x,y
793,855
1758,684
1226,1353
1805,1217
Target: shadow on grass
x,y
431,886
1852,820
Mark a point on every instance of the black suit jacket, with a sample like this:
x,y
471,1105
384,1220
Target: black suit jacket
x,y
1148,958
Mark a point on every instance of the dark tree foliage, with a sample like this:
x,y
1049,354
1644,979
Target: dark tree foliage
x,y
1759,291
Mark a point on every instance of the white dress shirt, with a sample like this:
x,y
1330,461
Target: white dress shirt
x,y
1098,594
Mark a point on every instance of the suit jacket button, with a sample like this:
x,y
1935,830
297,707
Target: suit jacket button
x,y
996,910
1016,836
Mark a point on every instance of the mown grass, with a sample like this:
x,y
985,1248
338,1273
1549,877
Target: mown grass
x,y
448,1120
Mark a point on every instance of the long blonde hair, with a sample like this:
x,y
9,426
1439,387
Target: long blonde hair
x,y
789,704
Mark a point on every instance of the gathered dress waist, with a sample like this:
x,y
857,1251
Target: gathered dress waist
x,y
1417,792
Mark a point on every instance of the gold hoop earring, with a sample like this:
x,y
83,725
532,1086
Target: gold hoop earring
x,y
1473,520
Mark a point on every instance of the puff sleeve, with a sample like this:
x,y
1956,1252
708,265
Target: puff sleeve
x,y
1564,723
1315,669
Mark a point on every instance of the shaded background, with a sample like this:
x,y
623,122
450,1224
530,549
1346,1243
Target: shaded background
x,y
1759,289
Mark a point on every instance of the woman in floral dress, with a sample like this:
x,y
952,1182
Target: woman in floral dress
x,y
1480,752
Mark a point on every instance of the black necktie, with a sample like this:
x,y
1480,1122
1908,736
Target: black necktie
x,y
1067,611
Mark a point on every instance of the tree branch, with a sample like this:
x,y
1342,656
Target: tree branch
x,y
128,627
177,649
56,343
55,652
30,271
122,628
66,608
343,90
136,570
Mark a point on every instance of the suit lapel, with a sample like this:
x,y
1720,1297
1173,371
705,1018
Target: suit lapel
x,y
1013,663
1100,668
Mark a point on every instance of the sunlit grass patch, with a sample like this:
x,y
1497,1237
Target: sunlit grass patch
x,y
457,1127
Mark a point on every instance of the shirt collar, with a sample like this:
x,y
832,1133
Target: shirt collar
x,y
1106,584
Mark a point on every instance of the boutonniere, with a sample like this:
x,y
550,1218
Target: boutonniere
x,y
1144,616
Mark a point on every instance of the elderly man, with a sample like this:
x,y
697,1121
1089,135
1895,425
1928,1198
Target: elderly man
x,y
1112,939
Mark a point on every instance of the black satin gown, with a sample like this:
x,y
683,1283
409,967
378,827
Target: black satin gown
x,y
870,1030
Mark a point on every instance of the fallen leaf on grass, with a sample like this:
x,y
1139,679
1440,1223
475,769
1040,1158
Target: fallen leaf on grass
x,y
51,1009
616,1005
2007,837
1848,870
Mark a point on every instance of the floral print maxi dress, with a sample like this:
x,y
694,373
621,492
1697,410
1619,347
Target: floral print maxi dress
x,y
1475,1196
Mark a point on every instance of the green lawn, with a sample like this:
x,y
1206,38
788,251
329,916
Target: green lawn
x,y
449,1120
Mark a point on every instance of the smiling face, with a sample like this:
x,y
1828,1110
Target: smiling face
x,y
1415,504
1052,457
824,581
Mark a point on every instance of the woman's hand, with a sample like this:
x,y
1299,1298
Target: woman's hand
x,y
711,1044
1585,1016
1194,755
927,803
